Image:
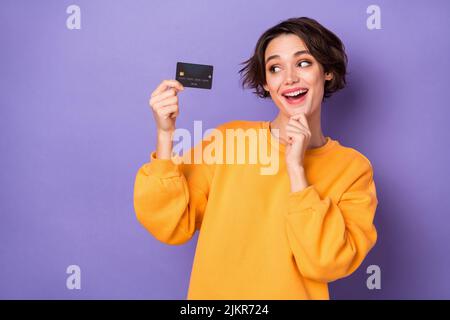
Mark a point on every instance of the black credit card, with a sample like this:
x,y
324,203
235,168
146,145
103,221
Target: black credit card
x,y
194,75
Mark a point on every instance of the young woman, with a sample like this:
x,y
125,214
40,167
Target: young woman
x,y
278,236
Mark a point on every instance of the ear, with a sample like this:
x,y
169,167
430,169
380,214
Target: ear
x,y
328,75
266,87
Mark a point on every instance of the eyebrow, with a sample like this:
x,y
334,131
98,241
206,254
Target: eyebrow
x,y
295,55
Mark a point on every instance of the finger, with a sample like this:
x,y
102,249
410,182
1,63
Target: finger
x,y
166,84
304,121
296,116
175,114
291,127
295,131
296,136
301,117
166,94
165,115
296,124
169,111
165,102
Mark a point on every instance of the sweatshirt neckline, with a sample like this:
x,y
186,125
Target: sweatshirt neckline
x,y
329,144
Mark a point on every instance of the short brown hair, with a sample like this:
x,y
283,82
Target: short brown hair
x,y
323,45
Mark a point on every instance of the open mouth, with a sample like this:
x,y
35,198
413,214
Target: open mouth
x,y
295,97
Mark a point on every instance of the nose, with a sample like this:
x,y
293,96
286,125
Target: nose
x,y
292,76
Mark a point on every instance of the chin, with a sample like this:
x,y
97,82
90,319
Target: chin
x,y
291,110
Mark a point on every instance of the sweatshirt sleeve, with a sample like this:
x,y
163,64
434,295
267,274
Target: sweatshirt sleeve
x,y
170,196
330,240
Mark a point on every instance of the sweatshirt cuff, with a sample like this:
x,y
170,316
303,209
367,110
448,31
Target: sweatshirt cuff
x,y
163,168
304,199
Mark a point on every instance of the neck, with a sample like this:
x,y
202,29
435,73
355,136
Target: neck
x,y
317,137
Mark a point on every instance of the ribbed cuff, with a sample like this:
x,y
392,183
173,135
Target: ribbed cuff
x,y
163,168
304,199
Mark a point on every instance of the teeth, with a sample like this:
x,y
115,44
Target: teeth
x,y
295,93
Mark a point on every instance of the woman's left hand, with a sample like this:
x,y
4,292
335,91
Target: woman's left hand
x,y
298,135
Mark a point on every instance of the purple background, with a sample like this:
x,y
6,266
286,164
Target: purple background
x,y
76,126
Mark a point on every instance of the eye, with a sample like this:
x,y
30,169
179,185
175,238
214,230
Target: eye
x,y
302,64
271,69
304,61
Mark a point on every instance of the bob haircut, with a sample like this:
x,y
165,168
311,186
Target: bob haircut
x,y
323,45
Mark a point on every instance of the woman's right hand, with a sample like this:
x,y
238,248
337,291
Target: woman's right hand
x,y
164,104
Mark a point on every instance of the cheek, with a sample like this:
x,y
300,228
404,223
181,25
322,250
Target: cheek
x,y
312,77
273,82
315,81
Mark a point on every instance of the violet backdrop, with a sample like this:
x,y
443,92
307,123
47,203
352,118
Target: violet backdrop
x,y
76,126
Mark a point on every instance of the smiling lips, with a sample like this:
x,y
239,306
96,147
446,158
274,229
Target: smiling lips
x,y
292,90
295,95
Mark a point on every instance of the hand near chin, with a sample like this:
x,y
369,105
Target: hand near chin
x,y
298,135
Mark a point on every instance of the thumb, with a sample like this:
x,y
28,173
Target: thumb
x,y
297,116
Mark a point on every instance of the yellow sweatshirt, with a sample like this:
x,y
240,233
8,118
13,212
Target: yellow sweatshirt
x,y
257,239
